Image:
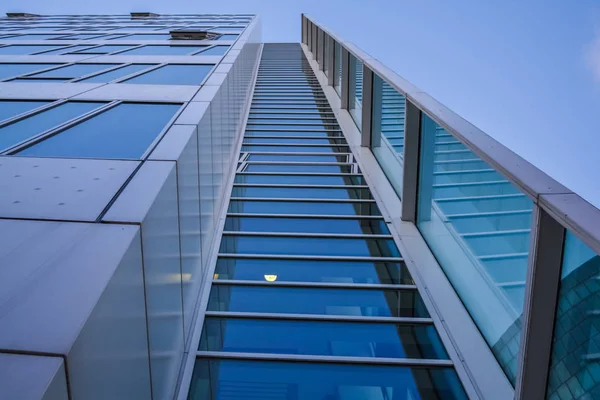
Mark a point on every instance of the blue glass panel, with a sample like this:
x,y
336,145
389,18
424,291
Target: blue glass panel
x,y
312,271
214,51
141,36
270,133
25,49
32,80
163,50
307,225
322,338
117,73
296,207
293,141
34,37
9,70
32,126
331,169
109,48
296,149
63,49
9,109
234,379
288,300
478,225
228,37
296,120
74,71
81,36
301,193
302,179
124,131
174,75
575,368
359,247
294,157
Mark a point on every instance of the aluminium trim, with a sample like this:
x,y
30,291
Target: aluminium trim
x,y
305,216
320,317
314,258
319,285
310,235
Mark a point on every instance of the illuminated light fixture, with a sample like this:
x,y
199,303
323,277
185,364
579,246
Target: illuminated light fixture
x,y
216,276
270,278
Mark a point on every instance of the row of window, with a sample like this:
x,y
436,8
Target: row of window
x,y
156,74
84,36
150,50
114,130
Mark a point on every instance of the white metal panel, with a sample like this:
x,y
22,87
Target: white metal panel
x,y
28,377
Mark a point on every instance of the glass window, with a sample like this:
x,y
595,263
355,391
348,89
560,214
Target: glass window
x,y
174,74
140,36
214,51
74,71
26,49
124,131
337,77
236,379
322,338
63,49
479,232
291,300
27,128
312,271
109,48
296,148
388,131
298,193
574,368
9,109
306,225
34,37
164,50
10,70
329,208
302,179
326,54
117,73
228,37
355,90
80,36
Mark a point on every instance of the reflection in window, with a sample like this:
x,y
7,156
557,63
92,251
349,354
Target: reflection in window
x,y
575,364
109,48
9,109
10,70
116,73
183,74
74,71
164,50
214,51
26,49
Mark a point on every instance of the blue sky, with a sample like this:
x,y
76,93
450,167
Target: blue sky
x,y
526,72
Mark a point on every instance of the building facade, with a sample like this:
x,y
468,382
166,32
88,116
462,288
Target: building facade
x,y
189,213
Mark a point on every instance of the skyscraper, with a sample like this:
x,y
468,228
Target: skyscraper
x,y
189,213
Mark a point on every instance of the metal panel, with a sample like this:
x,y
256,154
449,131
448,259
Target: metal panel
x,y
412,144
29,377
367,107
345,98
60,189
541,296
330,60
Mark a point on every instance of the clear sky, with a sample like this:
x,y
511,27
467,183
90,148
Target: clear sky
x,y
526,72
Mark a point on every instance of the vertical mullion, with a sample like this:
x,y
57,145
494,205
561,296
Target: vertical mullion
x,y
309,35
412,149
367,109
304,23
345,79
541,299
331,61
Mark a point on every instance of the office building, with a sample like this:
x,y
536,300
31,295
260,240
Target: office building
x,y
189,213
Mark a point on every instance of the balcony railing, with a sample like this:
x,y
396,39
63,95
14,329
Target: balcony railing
x,y
520,249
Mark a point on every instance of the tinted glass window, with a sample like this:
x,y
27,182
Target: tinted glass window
x,y
9,109
25,49
141,36
63,50
32,126
312,271
164,50
214,51
228,37
117,73
306,225
296,193
74,71
174,75
9,70
124,131
234,379
109,48
322,338
34,37
302,179
330,208
288,300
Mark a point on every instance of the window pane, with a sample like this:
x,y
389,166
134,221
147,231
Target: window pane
x,y
145,37
355,90
296,149
34,37
214,51
235,379
124,131
164,50
228,37
302,179
9,70
574,367
479,232
285,207
306,225
32,126
298,193
174,75
63,49
321,338
9,109
289,300
109,48
337,80
25,49
312,271
74,71
117,73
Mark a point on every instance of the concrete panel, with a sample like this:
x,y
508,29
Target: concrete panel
x,y
151,199
59,189
133,92
27,377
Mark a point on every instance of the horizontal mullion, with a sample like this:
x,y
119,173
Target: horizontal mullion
x,y
300,173
300,186
406,362
305,216
291,137
295,145
487,214
501,256
309,235
316,285
446,185
319,317
297,153
471,198
301,200
317,163
495,233
311,257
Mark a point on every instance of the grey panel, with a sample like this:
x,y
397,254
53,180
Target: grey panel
x,y
59,189
193,113
27,377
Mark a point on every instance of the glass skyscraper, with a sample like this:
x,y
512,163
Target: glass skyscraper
x,y
189,213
